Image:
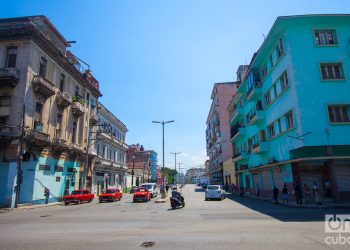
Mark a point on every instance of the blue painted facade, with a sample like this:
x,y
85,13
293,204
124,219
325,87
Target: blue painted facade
x,y
291,120
58,175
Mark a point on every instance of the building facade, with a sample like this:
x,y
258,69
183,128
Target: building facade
x,y
153,166
219,148
110,164
291,118
138,162
45,90
193,175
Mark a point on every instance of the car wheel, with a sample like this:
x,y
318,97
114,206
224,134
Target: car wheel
x,y
79,201
100,200
66,203
206,198
173,206
151,196
90,200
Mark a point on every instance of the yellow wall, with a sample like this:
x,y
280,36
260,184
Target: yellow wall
x,y
229,170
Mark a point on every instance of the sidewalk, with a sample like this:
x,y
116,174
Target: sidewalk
x,y
29,206
294,204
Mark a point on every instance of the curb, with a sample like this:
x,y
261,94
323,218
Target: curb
x,y
27,207
336,206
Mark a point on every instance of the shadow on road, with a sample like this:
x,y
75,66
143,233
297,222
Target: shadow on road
x,y
283,213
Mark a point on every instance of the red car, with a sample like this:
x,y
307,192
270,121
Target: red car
x,y
78,196
142,194
111,194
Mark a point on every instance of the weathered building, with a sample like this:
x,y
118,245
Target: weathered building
x,y
44,88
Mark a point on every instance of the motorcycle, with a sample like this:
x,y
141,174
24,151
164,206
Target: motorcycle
x,y
177,202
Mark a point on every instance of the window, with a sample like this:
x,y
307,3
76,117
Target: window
x,y
62,82
331,71
264,70
325,37
58,179
339,113
59,125
38,125
43,67
289,120
5,100
11,57
284,81
44,167
87,98
58,168
74,132
3,120
280,49
271,130
271,61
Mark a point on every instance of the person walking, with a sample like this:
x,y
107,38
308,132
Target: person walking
x,y
307,193
317,193
298,194
257,190
275,192
285,194
47,195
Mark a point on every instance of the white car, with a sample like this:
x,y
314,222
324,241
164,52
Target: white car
x,y
152,188
214,192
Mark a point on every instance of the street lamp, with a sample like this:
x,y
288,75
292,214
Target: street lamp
x,y
132,171
163,122
175,153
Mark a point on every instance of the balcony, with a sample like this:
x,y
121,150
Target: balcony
x,y
254,93
63,99
9,77
237,133
93,118
37,137
261,147
237,114
60,143
9,132
77,108
256,117
75,148
43,86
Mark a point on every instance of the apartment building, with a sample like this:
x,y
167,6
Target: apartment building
x,y
45,88
290,122
110,164
219,148
138,161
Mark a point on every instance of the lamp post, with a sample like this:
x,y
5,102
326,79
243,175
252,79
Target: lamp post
x,y
175,153
132,171
163,122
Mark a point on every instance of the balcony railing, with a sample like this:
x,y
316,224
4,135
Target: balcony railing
x,y
236,114
260,147
9,77
43,86
58,142
63,99
254,92
93,118
37,137
78,106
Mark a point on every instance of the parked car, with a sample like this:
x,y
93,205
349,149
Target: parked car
x,y
133,189
111,194
215,192
142,194
78,196
152,188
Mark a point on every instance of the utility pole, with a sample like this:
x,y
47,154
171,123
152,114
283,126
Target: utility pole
x,y
163,122
180,172
175,153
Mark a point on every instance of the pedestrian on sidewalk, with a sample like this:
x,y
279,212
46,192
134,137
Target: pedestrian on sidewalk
x,y
275,192
317,194
47,195
257,190
307,193
298,194
285,194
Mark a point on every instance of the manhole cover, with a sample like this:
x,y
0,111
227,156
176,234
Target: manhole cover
x,y
147,244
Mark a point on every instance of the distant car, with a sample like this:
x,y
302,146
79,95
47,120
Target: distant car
x,y
142,194
215,192
152,188
204,186
133,189
78,196
111,194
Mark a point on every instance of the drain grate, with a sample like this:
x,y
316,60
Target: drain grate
x,y
147,244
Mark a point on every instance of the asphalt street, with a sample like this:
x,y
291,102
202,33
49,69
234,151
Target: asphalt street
x,y
233,223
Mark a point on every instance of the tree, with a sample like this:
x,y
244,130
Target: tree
x,y
169,174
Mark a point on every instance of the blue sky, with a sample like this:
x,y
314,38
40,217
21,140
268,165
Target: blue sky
x,y
158,60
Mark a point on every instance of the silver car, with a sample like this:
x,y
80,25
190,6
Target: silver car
x,y
215,192
152,188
